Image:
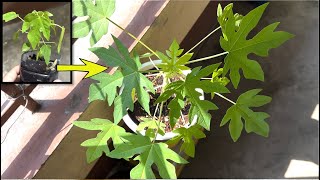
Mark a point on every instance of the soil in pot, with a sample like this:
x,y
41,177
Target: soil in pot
x,y
139,112
33,70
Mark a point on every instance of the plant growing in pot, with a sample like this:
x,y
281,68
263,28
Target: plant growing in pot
x,y
38,62
162,100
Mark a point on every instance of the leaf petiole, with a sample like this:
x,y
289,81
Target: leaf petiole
x,y
224,98
165,80
206,58
135,38
58,26
47,42
153,63
202,40
20,18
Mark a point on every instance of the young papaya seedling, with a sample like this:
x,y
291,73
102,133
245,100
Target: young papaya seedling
x,y
38,26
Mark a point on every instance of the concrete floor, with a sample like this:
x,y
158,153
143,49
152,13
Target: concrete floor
x,y
291,79
12,49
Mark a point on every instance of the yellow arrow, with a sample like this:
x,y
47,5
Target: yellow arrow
x,y
90,67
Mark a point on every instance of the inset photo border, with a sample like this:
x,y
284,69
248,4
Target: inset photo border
x,y
36,37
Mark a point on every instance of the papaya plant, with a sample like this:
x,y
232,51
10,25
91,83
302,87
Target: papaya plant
x,y
95,14
130,84
38,26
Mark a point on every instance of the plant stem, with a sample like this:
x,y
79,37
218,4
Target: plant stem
x,y
225,98
203,40
153,63
58,26
47,42
135,38
154,114
43,41
165,80
206,58
159,120
20,18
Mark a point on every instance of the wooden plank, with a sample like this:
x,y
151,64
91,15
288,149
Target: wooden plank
x,y
13,91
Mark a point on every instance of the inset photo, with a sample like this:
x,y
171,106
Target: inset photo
x,y
36,37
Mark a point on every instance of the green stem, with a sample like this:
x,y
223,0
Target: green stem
x,y
153,64
47,42
206,58
43,41
159,120
59,26
202,40
225,98
20,18
135,38
165,80
154,114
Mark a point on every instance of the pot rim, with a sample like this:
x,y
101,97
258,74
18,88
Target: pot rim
x,y
133,126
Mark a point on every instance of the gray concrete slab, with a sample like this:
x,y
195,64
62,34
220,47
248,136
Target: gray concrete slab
x,y
291,79
12,49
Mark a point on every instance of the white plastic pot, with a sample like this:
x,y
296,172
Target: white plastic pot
x,y
133,126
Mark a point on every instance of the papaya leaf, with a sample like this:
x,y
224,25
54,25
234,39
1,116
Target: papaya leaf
x,y
172,64
188,89
130,78
217,77
25,47
107,88
222,17
25,26
34,38
151,126
254,121
98,145
39,22
148,154
187,135
45,51
175,106
97,22
235,42
9,16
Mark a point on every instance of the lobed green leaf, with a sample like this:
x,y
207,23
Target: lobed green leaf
x,y
148,154
98,145
130,79
97,22
9,16
254,121
235,30
45,51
